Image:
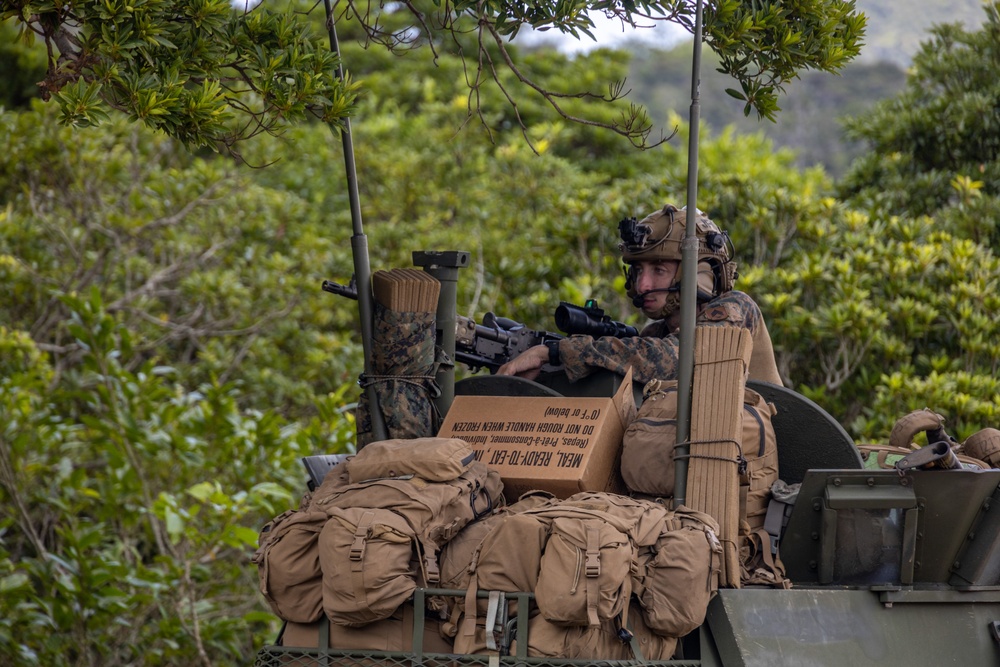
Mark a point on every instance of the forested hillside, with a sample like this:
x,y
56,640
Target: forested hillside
x,y
812,109
815,105
896,27
167,355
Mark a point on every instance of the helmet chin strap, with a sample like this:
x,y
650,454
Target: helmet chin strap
x,y
703,296
639,298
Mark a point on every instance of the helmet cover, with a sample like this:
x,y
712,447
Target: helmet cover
x,y
658,237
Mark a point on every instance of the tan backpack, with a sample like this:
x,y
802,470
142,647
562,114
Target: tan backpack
x,y
456,559
604,642
647,461
365,557
678,574
584,556
429,514
585,569
368,560
288,565
432,459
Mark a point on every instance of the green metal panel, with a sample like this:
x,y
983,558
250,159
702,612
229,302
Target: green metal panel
x,y
934,513
838,628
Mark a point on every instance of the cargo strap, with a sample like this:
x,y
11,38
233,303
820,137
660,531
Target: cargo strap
x,y
497,601
739,460
471,608
775,520
432,572
426,382
769,570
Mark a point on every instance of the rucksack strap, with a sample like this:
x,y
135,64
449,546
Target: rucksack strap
x,y
592,570
357,558
492,610
471,608
770,570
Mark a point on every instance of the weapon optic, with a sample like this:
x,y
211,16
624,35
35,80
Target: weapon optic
x,y
590,320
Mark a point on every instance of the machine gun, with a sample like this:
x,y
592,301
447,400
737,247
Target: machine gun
x,y
497,340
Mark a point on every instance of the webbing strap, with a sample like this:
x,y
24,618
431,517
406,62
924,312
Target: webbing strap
x,y
776,567
361,533
593,570
471,609
358,547
744,496
432,572
492,609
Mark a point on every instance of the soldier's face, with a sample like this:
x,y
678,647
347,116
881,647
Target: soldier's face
x,y
652,278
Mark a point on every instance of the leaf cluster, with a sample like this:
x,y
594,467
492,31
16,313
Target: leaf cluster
x,y
199,70
764,44
202,265
870,302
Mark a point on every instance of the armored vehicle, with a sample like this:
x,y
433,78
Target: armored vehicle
x,y
895,566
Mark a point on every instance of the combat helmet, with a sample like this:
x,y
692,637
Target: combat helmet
x,y
659,236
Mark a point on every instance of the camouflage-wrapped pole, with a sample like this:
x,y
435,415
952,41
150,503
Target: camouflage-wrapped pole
x,y
689,279
359,247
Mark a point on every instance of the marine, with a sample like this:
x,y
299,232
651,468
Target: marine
x,y
651,252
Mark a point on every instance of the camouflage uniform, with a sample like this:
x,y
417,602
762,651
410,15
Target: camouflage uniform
x,y
653,354
403,359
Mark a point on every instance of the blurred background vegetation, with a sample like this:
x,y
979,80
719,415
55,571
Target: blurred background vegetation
x,y
167,355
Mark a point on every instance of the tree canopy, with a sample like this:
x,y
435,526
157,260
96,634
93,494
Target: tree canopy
x,y
210,74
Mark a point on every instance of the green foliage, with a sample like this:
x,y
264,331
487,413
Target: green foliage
x,y
818,34
210,75
940,135
876,308
134,505
203,266
801,35
202,72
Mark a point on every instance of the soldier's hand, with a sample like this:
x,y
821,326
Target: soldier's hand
x,y
528,364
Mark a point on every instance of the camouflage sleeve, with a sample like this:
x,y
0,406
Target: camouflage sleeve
x,y
653,354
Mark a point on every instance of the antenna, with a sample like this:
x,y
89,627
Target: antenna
x,y
689,278
359,247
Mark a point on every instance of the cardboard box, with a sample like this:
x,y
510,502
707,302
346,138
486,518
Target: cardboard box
x,y
562,445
